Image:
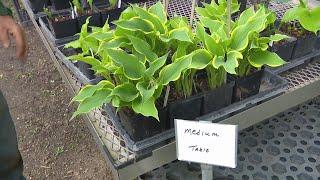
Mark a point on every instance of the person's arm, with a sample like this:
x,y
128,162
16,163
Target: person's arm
x,y
9,27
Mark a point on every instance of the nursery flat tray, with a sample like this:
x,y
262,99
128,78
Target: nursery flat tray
x,y
296,62
74,69
271,86
54,41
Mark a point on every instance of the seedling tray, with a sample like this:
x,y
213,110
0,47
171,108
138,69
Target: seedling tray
x,y
271,86
55,42
295,62
73,68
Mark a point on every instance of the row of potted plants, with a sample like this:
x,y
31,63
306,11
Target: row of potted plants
x,y
69,22
302,25
156,68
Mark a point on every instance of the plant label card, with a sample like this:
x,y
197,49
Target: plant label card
x,y
209,143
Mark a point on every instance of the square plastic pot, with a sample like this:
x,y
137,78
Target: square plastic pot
x,y
60,4
246,87
285,50
63,29
317,44
38,5
304,46
218,98
140,127
86,70
188,109
111,15
95,20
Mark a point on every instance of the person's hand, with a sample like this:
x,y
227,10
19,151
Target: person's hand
x,y
9,27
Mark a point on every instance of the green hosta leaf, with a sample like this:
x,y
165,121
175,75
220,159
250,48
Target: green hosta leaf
x,y
143,47
73,44
96,100
144,14
147,108
127,92
230,63
173,71
292,14
259,58
87,59
158,10
213,47
200,32
114,43
136,24
146,90
200,59
89,90
213,25
181,50
310,20
240,35
278,37
116,101
156,65
181,34
101,36
245,16
132,67
127,14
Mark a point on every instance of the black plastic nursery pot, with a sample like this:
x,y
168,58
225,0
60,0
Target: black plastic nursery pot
x,y
86,69
188,109
95,20
111,15
60,4
63,28
317,44
285,49
140,127
218,98
248,86
304,46
38,5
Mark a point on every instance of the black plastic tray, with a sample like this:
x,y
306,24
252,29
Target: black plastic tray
x,y
55,42
295,62
272,86
73,68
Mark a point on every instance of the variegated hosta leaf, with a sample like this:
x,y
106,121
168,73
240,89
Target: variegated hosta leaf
x,y
89,90
132,67
173,71
200,59
146,90
213,47
146,108
200,32
99,97
126,92
230,63
87,59
143,47
102,36
181,34
144,14
258,58
136,24
156,65
158,10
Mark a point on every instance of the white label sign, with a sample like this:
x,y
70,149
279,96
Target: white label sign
x,y
209,143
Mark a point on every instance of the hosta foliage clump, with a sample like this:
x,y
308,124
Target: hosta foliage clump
x,y
133,59
236,46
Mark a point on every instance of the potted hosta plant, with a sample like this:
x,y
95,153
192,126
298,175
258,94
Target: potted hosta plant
x,y
61,24
83,13
236,45
303,24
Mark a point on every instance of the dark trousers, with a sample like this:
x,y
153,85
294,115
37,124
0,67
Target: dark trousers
x,y
11,165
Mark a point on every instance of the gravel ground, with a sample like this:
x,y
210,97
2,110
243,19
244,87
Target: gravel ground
x,y
52,146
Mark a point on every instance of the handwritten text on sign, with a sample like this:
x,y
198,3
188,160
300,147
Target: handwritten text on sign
x,y
208,143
